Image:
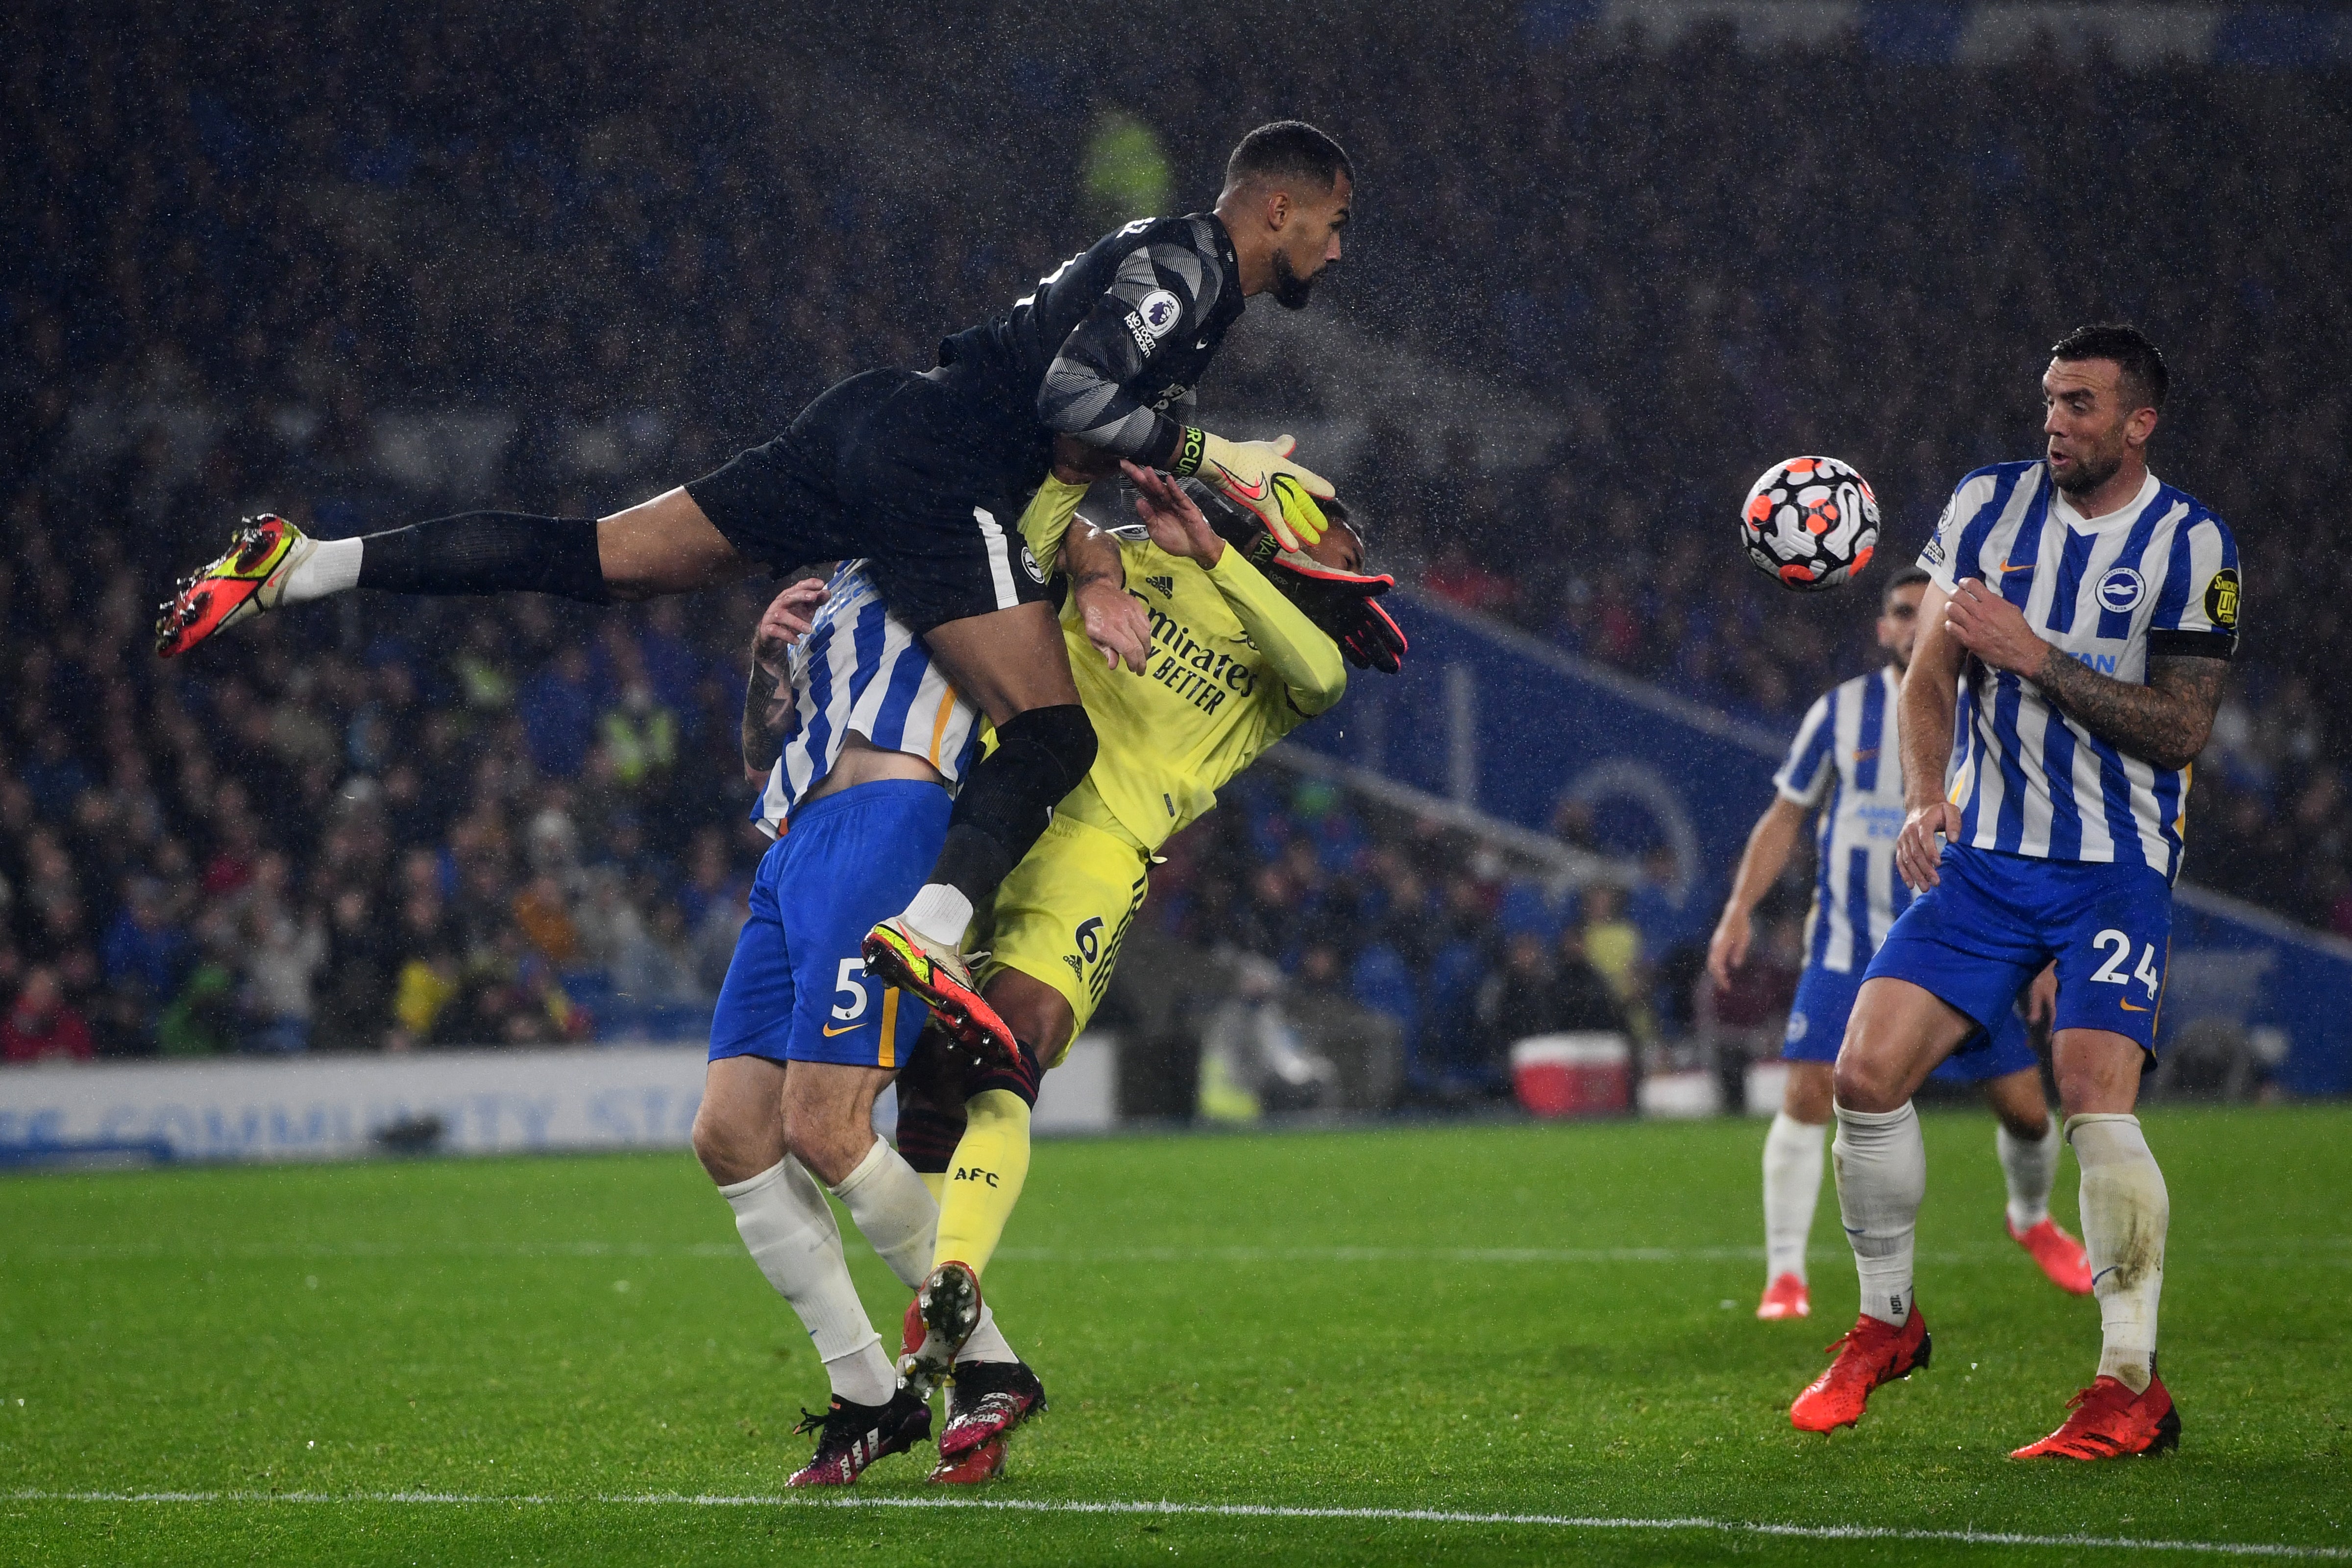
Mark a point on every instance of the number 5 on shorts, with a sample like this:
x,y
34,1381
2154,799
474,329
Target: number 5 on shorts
x,y
2112,971
850,981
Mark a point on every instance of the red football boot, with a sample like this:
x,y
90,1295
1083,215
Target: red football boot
x,y
987,1400
246,581
2061,1255
897,957
2108,1421
971,1466
1870,1354
946,1310
1785,1297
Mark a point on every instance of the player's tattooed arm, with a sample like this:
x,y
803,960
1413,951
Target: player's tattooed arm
x,y
2165,722
768,709
763,736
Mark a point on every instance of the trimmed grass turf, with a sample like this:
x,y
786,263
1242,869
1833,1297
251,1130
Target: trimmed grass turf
x,y
1412,1318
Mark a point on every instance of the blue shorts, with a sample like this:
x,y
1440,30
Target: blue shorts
x,y
797,989
1995,919
1825,997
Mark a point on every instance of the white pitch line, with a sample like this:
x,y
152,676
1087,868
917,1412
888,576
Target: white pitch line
x,y
1238,1511
2318,1249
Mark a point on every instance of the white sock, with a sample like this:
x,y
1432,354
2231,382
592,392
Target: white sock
x,y
987,1342
1792,1188
331,566
893,1210
1882,1175
901,1220
2031,1166
784,1222
2126,1212
939,915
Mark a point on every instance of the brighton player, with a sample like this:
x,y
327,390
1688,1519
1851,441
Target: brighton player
x,y
914,470
2080,619
1231,645
861,738
1846,765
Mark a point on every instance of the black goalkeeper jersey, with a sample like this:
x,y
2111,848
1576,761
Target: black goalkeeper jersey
x,y
1111,341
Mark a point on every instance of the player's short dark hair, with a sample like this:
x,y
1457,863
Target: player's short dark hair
x,y
1287,150
2144,377
1336,510
1904,579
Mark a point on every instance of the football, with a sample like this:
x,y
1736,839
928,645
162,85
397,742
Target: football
x,y
1811,522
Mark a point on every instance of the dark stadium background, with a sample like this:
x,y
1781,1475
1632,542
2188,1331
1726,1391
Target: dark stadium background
x,y
368,263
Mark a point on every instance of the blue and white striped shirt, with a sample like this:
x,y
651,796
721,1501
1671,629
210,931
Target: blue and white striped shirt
x,y
1846,764
860,670
2157,576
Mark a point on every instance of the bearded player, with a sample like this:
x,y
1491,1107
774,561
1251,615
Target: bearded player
x,y
2081,616
1846,765
1230,647
922,475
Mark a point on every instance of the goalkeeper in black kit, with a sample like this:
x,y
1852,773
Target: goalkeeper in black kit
x,y
927,474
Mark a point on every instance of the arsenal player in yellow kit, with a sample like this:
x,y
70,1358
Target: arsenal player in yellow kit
x,y
1220,657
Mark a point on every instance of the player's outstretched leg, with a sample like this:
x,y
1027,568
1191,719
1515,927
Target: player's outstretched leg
x,y
2027,1142
1014,665
664,546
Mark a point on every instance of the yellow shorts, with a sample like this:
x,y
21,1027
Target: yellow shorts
x,y
1061,915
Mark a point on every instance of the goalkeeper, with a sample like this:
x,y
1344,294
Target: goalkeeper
x,y
1229,642
912,473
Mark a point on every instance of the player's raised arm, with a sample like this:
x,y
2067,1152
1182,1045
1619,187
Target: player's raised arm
x,y
1115,619
768,693
1301,652
1930,694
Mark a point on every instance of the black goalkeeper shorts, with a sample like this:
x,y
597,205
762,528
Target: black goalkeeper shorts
x,y
917,476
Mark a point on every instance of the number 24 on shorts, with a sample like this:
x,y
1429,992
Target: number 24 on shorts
x,y
2118,947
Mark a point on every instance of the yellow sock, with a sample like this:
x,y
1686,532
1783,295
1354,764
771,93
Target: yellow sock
x,y
985,1178
935,1183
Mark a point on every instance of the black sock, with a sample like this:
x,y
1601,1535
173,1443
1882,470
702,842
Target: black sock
x,y
1040,756
1020,1079
488,552
927,1138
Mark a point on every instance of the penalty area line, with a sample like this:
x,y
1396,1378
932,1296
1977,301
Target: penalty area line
x,y
1228,1511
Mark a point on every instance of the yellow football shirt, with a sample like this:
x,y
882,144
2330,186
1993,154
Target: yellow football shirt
x,y
1234,666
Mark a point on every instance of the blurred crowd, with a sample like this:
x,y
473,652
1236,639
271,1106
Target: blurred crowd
x,y
363,263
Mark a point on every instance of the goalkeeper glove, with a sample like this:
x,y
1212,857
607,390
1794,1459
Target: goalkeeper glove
x,y
1344,604
1339,603
1259,475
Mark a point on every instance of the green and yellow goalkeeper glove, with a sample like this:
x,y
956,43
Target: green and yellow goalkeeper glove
x,y
1260,476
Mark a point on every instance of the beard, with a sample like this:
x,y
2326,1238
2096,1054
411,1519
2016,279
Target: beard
x,y
1290,290
2088,474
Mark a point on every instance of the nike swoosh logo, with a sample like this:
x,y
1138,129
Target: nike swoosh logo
x,y
2128,1006
1235,487
2007,567
830,1031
